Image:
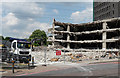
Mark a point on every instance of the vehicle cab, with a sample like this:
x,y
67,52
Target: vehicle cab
x,y
21,49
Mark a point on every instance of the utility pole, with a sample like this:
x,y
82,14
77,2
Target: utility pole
x,y
13,65
64,56
44,57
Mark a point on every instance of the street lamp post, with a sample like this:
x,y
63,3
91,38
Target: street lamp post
x,y
44,57
64,56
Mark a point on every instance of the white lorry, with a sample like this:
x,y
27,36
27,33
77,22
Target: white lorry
x,y
20,50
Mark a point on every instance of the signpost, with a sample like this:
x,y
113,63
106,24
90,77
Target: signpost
x,y
64,56
58,52
32,61
13,65
28,64
44,56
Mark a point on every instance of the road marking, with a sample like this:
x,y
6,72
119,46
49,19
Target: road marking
x,y
36,72
105,63
79,67
87,70
43,71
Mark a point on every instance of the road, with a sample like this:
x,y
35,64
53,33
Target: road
x,y
101,69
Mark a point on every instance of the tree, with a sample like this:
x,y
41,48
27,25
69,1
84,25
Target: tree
x,y
41,35
7,38
1,38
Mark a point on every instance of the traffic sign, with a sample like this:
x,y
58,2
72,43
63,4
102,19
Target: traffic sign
x,y
58,52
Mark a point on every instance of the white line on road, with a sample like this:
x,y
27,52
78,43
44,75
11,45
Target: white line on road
x,y
79,67
87,70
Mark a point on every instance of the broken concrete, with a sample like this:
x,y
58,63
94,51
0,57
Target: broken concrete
x,y
95,36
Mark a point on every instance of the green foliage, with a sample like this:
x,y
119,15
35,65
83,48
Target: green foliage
x,y
39,35
49,43
7,38
1,38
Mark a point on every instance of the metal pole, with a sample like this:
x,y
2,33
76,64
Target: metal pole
x,y
64,56
32,61
13,66
18,63
45,57
118,52
28,64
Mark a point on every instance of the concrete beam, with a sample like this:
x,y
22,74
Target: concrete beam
x,y
88,32
86,24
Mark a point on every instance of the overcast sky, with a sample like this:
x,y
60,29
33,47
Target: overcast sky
x,y
20,19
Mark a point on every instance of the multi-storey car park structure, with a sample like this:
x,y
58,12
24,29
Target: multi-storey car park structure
x,y
101,35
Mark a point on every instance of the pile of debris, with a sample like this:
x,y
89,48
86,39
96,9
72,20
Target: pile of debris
x,y
81,56
43,55
68,56
39,48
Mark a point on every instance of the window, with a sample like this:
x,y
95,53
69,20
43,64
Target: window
x,y
113,12
109,7
14,45
23,45
113,5
109,14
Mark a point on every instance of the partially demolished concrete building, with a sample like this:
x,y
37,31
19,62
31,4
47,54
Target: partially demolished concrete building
x,y
101,35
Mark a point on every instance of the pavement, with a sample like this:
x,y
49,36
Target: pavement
x,y
61,66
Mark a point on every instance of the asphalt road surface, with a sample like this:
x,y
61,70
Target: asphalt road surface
x,y
101,69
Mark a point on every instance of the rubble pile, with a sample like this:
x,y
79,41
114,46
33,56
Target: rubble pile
x,y
69,56
54,59
40,56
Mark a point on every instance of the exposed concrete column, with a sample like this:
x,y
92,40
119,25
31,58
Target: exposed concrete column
x,y
53,35
104,36
68,29
76,40
68,45
68,36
